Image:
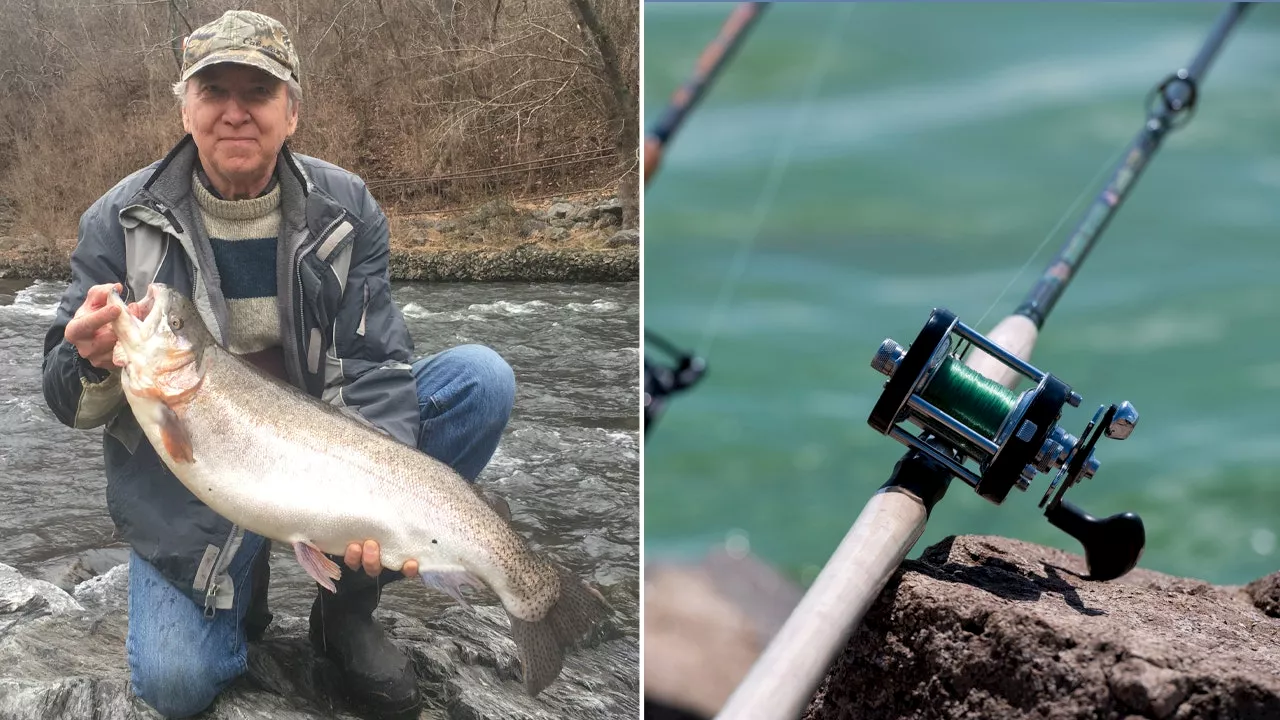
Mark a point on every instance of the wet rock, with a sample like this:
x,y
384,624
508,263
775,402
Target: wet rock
x,y
69,571
63,657
993,628
23,600
705,624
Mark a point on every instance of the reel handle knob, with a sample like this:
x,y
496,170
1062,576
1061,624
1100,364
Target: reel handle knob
x,y
1112,546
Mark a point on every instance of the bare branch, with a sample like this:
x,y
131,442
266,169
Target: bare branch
x,y
328,29
560,38
405,88
533,56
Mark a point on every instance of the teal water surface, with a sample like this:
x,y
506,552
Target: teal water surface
x,y
922,153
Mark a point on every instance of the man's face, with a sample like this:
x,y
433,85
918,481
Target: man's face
x,y
240,118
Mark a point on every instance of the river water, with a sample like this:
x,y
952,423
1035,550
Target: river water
x,y
568,464
944,142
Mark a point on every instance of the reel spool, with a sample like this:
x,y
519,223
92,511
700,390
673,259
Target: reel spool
x,y
1011,437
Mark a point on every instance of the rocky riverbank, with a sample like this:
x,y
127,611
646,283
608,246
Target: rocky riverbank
x,y
572,239
63,658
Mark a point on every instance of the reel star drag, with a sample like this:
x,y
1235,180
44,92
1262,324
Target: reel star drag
x,y
1011,438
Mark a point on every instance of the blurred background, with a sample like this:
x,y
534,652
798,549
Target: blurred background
x,y
922,153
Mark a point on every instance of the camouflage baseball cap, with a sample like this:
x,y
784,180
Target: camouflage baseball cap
x,y
243,37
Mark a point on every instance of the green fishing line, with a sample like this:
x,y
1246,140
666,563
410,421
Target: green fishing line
x,y
971,397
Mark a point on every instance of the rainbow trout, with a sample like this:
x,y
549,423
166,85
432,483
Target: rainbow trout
x,y
292,468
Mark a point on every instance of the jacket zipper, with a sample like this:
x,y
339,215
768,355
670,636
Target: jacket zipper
x,y
222,560
301,335
168,215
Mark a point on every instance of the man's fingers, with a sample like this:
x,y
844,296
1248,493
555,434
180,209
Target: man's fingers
x,y
98,348
352,558
83,327
367,556
93,313
97,295
372,558
99,354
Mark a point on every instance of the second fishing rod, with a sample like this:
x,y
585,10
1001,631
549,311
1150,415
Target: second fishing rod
x,y
683,369
957,387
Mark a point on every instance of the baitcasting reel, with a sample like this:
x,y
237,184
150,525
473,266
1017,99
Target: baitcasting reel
x,y
1011,437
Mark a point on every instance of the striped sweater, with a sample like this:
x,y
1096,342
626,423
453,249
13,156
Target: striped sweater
x,y
243,236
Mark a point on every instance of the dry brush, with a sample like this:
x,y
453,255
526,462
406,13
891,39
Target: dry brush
x,y
436,103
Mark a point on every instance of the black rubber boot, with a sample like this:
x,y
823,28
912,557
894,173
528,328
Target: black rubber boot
x,y
258,617
378,679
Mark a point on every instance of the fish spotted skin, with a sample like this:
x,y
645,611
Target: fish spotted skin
x,y
292,468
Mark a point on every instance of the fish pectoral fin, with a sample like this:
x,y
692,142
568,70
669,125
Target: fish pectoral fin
x,y
174,434
500,506
317,564
451,581
495,502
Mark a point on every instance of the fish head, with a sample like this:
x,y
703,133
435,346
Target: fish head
x,y
160,341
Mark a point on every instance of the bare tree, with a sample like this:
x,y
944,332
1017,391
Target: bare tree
x,y
438,103
624,109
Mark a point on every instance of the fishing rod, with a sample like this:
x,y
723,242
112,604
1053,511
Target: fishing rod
x,y
714,57
957,386
684,368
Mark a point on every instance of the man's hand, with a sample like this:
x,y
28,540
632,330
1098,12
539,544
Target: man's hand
x,y
370,557
90,329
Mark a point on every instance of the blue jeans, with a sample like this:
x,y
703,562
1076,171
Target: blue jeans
x,y
179,661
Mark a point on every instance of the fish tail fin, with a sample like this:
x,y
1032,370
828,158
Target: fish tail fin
x,y
541,644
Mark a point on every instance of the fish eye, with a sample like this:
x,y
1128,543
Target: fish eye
x,y
175,322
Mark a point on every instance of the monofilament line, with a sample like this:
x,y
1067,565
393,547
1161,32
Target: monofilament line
x,y
1088,189
769,191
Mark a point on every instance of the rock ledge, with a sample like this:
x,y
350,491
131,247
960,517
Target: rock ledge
x,y
994,628
62,656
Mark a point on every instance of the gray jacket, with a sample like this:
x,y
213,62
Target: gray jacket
x,y
344,339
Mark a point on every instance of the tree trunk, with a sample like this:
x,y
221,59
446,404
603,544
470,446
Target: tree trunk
x,y
622,106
